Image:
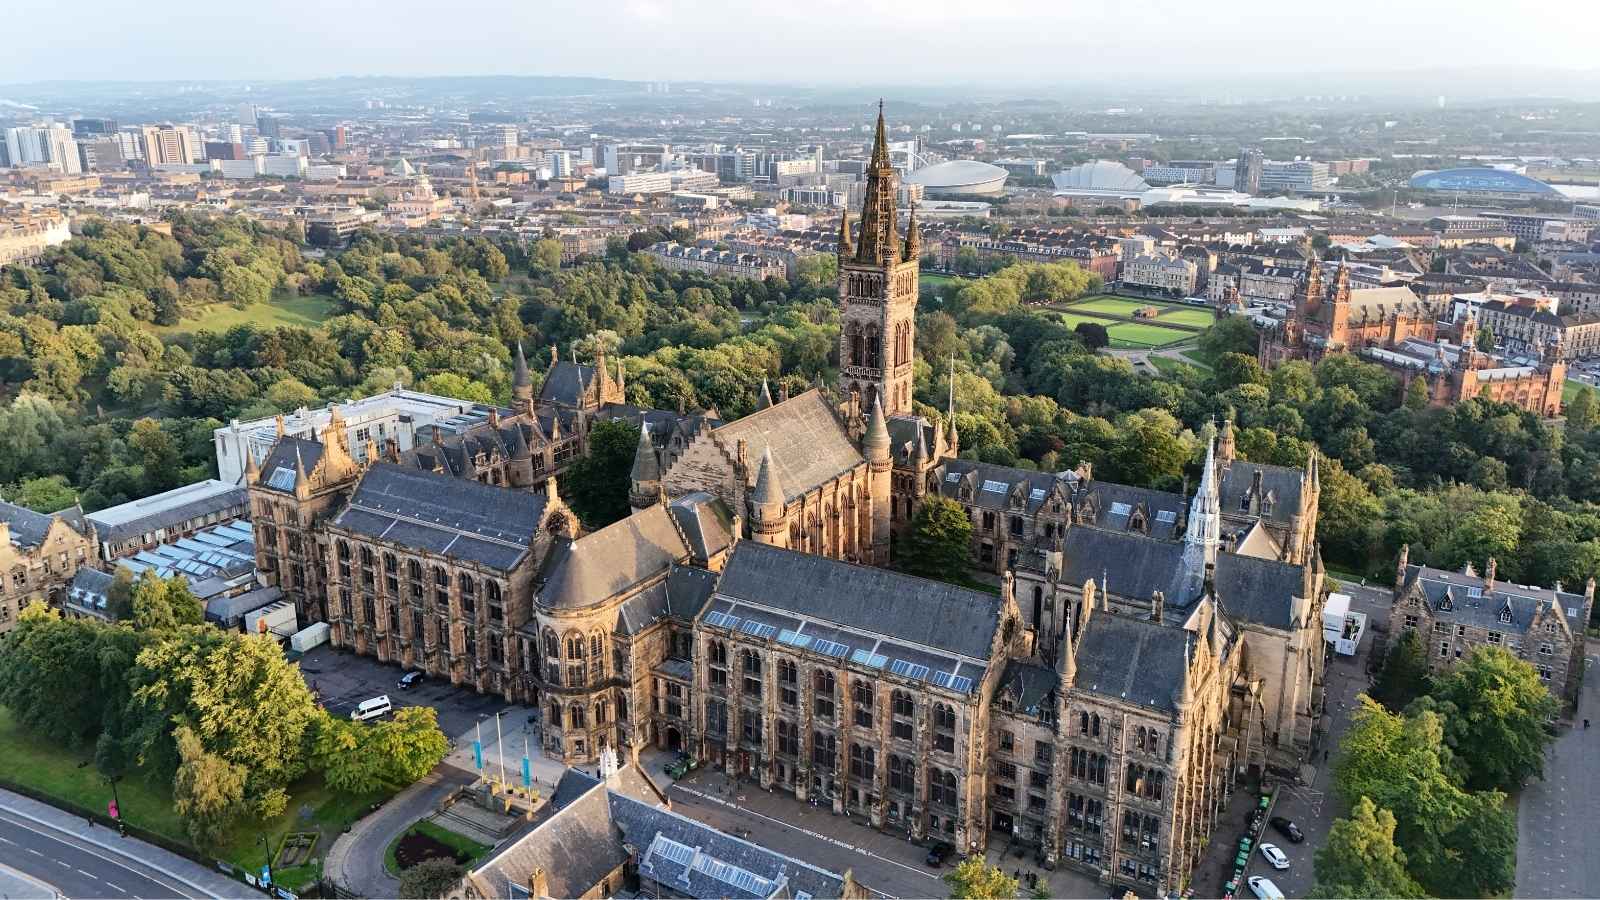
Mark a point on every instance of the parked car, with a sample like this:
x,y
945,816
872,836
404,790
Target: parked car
x,y
1287,828
1275,856
939,852
1263,888
371,709
410,680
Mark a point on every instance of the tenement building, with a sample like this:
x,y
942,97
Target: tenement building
x,y
39,555
1456,612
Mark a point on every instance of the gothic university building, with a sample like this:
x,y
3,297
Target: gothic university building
x,y
1395,329
1143,649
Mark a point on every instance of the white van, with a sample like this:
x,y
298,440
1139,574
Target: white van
x,y
371,709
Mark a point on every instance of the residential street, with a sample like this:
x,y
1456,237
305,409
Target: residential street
x,y
1558,848
84,861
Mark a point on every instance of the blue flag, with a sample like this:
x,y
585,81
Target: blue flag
x,y
477,754
527,773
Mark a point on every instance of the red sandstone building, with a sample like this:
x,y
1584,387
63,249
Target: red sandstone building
x,y
1392,327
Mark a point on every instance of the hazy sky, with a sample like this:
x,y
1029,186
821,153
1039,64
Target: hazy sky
x,y
834,41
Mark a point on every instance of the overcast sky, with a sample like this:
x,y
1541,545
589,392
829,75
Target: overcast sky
x,y
835,41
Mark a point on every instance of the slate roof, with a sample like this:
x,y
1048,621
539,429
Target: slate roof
x,y
565,383
600,565
1259,590
903,436
89,590
192,501
1484,610
454,517
715,864
282,456
1030,686
1125,563
574,845
809,445
1283,483
1134,660
688,590
705,521
967,473
28,528
1107,496
911,609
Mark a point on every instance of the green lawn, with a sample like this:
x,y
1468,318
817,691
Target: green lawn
x,y
1117,306
1570,390
1187,315
459,843
307,312
1130,335
68,777
1175,313
1167,365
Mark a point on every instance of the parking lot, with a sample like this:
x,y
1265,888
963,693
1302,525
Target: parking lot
x,y
342,679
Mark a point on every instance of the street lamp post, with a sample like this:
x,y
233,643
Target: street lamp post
x,y
266,847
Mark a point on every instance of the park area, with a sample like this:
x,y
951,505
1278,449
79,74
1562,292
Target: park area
x,y
284,309
66,778
1172,324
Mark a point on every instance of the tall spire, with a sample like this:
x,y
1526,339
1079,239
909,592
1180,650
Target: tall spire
x,y
1204,532
950,411
846,248
880,245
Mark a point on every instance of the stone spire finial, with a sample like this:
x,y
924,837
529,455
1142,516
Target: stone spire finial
x,y
646,467
769,490
765,400
913,247
845,246
876,442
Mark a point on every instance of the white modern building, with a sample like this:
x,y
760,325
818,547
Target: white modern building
x,y
1301,175
393,415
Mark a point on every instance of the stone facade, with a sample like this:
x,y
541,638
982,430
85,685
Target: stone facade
x,y
39,555
1457,612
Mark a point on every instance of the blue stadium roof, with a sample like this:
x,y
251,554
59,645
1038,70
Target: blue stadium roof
x,y
1481,180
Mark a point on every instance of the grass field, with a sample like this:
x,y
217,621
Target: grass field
x,y
68,777
1174,313
306,312
1130,335
1570,390
1167,365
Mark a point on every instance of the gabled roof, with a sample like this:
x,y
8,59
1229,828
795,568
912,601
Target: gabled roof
x,y
1282,483
455,517
278,468
566,383
809,445
1259,590
28,528
1138,661
1125,563
181,504
903,607
605,563
1522,601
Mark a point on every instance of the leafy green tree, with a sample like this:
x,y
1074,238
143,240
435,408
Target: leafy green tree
x,y
1417,395
1485,339
1501,709
1396,762
49,674
45,495
975,879
1581,412
360,758
1479,857
1404,676
1234,369
1146,453
207,790
1360,859
449,384
596,487
164,603
1234,334
547,253
939,542
410,744
430,879
1093,334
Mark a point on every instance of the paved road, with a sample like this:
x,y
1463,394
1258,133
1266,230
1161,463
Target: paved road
x,y
63,851
355,860
1558,848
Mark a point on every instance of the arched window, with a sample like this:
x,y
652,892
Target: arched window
x,y
863,761
552,644
575,646
874,347
492,589
861,700
414,570
344,549
390,563
902,774
596,645
575,717
719,653
857,350
904,706
600,713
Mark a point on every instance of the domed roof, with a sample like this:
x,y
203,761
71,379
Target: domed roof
x,y
958,173
1100,175
1480,179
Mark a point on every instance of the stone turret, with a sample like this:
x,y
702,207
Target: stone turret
x,y
521,382
913,246
645,488
767,504
880,466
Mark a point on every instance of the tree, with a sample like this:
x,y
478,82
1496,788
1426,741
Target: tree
x,y
1234,369
975,879
1485,339
45,495
1582,411
1480,851
596,487
1398,762
1501,709
1405,673
1094,335
449,384
360,758
1235,334
161,604
547,253
1360,859
939,542
207,791
430,879
1417,394
410,744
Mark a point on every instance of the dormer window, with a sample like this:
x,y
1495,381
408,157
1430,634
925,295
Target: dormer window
x,y
1505,615
1445,602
